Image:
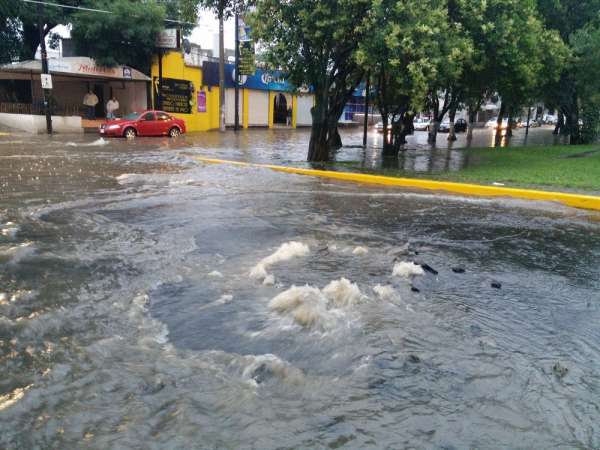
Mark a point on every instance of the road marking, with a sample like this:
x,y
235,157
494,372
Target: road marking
x,y
573,200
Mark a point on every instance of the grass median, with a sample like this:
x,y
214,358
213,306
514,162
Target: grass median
x,y
569,168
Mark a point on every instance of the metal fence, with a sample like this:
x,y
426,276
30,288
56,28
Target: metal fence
x,y
37,108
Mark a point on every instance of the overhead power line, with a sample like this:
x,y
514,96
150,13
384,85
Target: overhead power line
x,y
101,11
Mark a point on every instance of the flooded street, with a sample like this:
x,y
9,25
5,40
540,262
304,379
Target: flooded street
x,y
150,301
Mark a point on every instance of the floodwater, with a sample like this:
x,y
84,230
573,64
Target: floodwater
x,y
151,301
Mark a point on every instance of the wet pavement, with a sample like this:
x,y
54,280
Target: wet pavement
x,y
151,301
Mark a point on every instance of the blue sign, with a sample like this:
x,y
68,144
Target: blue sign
x,y
261,80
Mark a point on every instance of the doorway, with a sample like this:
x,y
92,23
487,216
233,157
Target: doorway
x,y
99,91
280,110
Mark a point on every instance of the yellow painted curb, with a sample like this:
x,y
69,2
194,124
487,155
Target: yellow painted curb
x,y
574,200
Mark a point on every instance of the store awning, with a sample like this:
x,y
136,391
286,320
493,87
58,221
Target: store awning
x,y
78,66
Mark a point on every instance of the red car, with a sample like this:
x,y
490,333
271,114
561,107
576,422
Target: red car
x,y
148,123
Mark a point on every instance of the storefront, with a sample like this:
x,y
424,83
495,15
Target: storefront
x,y
184,92
72,77
266,98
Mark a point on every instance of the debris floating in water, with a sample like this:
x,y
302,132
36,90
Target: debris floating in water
x,y
415,289
414,359
427,268
496,285
407,269
559,370
285,252
458,270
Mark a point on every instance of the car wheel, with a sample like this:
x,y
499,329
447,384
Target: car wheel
x,y
129,133
174,132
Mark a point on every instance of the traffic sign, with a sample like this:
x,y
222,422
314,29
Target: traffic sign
x,y
46,81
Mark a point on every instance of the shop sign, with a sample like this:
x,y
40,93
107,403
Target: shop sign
x,y
201,101
167,38
176,95
247,60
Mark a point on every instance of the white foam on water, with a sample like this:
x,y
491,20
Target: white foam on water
x,y
407,269
9,232
18,252
260,368
101,142
269,280
358,251
385,292
7,400
22,295
215,274
225,298
342,292
285,252
311,307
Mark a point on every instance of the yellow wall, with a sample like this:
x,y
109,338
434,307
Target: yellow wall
x,y
245,106
174,67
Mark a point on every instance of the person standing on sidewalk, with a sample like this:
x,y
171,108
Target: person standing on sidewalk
x,y
90,100
111,106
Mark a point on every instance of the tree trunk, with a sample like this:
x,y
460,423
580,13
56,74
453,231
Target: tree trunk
x,y
472,119
318,150
434,127
509,131
451,117
560,123
334,140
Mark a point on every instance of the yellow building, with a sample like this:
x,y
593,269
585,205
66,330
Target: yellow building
x,y
190,91
204,102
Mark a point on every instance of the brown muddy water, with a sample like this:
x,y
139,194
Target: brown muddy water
x,y
148,301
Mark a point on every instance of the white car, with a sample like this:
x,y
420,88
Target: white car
x,y
379,127
421,124
493,123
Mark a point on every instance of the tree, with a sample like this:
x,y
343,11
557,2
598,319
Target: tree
x,y
568,17
22,20
586,59
316,44
400,52
118,38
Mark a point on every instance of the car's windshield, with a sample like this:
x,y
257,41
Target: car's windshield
x,y
131,116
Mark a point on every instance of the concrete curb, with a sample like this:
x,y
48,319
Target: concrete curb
x,y
573,200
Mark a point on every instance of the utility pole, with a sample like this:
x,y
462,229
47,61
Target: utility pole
x,y
366,124
160,80
237,71
221,68
47,112
528,121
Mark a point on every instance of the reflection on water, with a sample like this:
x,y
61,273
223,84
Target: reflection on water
x,y
131,315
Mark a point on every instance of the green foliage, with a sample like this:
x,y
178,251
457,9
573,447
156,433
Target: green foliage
x,y
316,44
124,37
227,8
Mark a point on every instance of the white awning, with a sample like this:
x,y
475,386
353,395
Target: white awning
x,y
78,66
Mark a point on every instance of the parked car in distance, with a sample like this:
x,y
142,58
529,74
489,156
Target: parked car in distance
x,y
421,124
493,123
550,119
379,126
460,126
147,123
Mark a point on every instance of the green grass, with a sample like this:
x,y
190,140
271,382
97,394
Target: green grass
x,y
535,166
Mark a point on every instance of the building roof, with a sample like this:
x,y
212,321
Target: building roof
x,y
79,66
